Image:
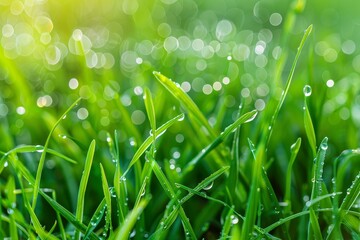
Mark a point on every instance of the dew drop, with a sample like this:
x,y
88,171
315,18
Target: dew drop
x,y
324,145
307,90
252,117
209,186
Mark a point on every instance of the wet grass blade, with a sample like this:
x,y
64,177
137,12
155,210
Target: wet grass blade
x,y
309,127
169,190
287,85
83,185
352,194
317,183
43,154
185,101
229,219
287,198
253,200
148,141
96,218
150,109
33,148
247,117
107,195
124,231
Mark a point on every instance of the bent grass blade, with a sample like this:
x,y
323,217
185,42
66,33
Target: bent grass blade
x,y
247,117
43,154
148,141
83,185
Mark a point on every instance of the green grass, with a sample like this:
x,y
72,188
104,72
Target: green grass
x,y
215,120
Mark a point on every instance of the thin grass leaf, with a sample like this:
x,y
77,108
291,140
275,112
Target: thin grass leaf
x,y
317,190
150,109
11,198
314,224
230,219
275,114
124,231
83,185
247,117
171,193
33,148
43,154
35,221
185,100
96,218
59,220
148,141
253,200
107,195
294,151
352,194
309,127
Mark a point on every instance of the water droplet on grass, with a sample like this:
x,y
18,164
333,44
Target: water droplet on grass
x,y
209,186
307,90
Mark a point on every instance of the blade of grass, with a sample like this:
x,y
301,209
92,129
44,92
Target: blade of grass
x,y
148,141
275,114
229,220
96,218
124,231
287,198
83,185
33,148
11,197
309,128
43,154
149,105
107,195
317,180
35,221
247,117
171,193
58,216
185,100
352,194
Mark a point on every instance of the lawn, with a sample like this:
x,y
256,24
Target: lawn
x,y
179,119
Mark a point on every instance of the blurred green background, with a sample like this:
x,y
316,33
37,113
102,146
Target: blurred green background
x,y
220,52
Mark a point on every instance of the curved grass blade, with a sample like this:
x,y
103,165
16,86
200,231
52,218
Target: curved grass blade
x,y
43,154
124,231
66,214
96,218
149,105
107,195
171,193
83,185
148,141
247,117
317,180
309,127
352,194
34,148
185,100
35,221
294,151
287,86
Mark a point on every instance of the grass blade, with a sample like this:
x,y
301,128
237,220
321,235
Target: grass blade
x,y
287,198
124,231
247,117
171,193
43,154
352,194
316,191
83,185
149,105
107,195
287,85
96,218
148,141
309,127
185,100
